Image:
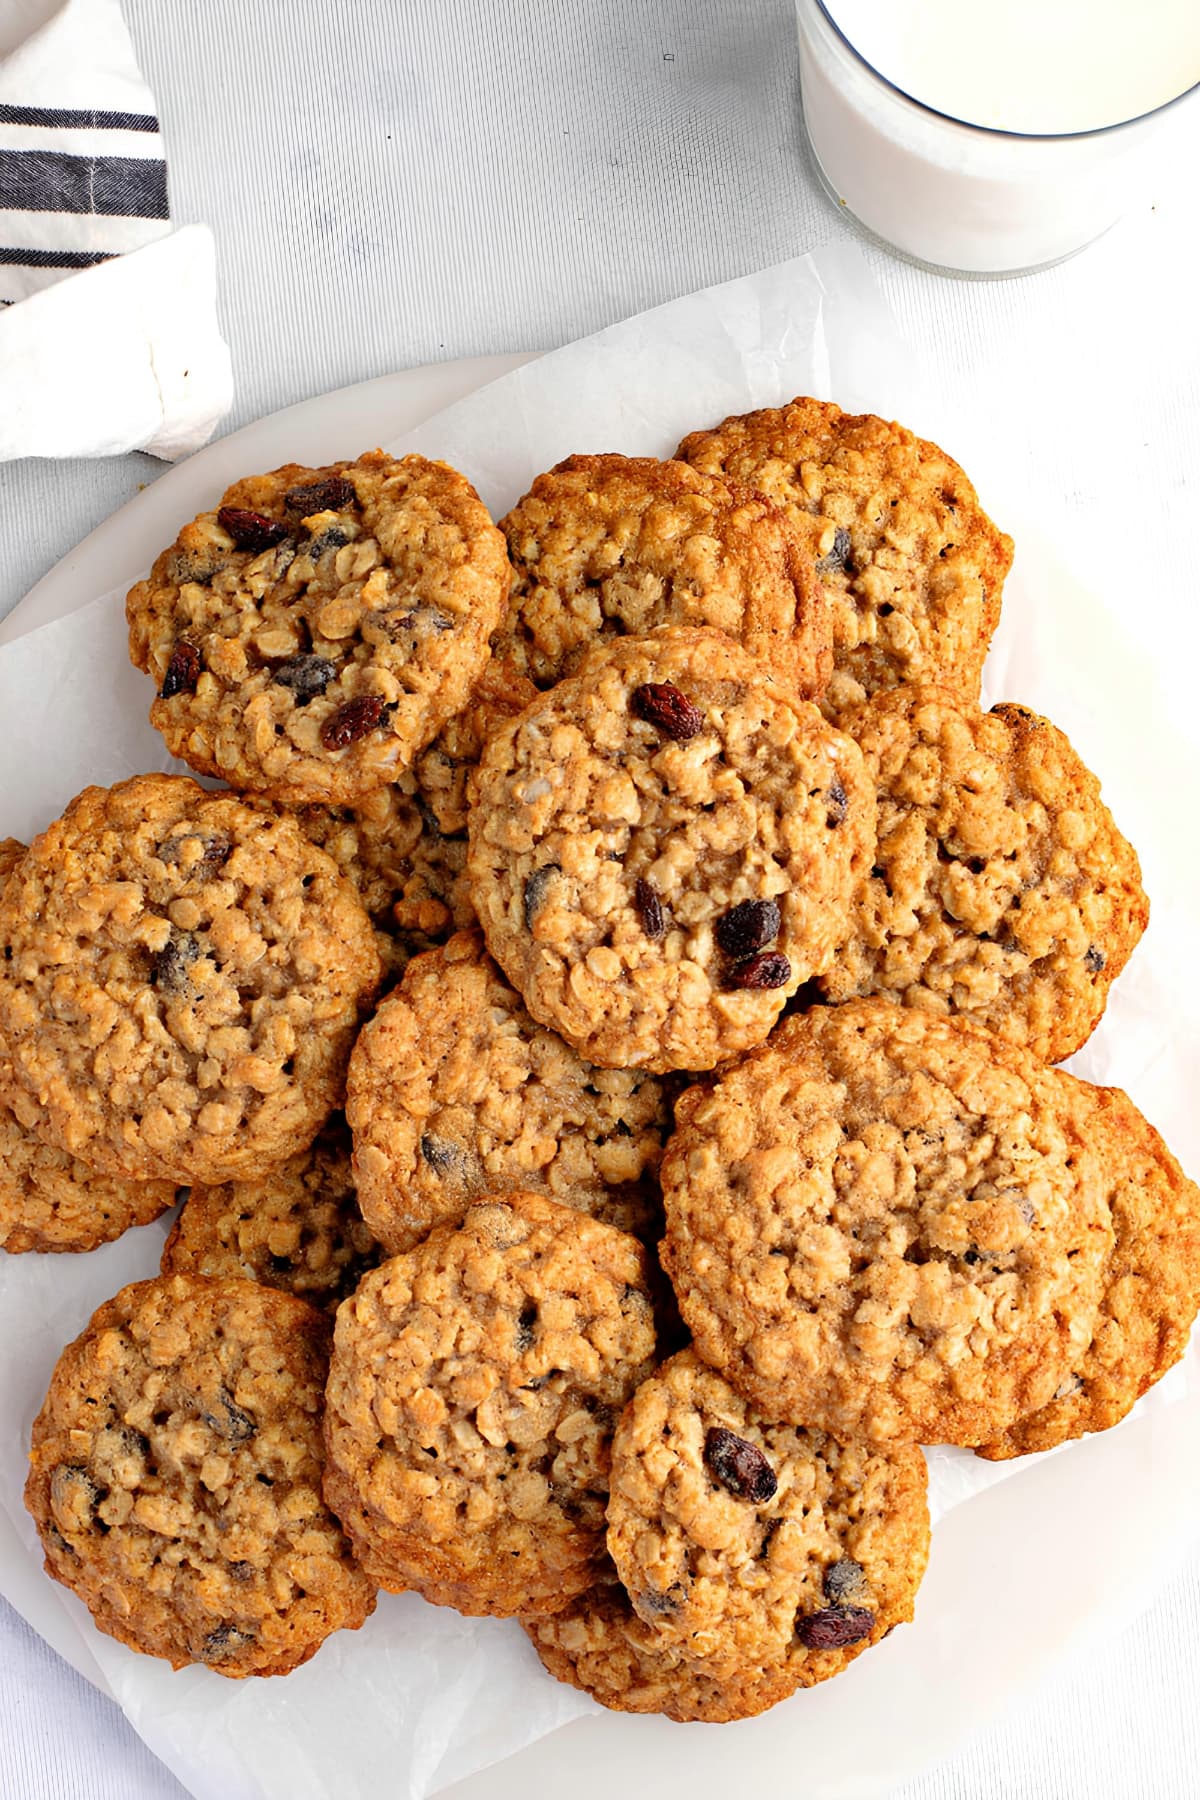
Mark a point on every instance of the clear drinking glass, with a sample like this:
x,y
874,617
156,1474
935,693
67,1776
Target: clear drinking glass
x,y
966,199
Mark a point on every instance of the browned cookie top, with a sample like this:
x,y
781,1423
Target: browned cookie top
x,y
315,631
1001,888
887,1224
911,563
454,1091
297,1227
607,546
664,847
175,1477
1150,1285
472,1395
744,1542
180,982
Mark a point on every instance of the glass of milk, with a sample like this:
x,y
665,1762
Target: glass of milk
x,y
992,137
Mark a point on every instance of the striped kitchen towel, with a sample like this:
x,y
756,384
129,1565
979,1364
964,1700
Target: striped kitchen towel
x,y
83,195
82,172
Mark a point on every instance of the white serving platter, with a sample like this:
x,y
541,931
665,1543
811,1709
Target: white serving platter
x,y
1072,1546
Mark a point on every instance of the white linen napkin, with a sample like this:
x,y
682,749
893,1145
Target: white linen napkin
x,y
108,329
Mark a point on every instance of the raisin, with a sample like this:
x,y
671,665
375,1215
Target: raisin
x,y
357,719
443,1157
306,676
332,538
835,1628
1095,960
838,559
739,1466
189,566
73,1494
250,530
173,962
183,671
525,1324
329,495
669,711
770,970
534,896
838,805
225,1641
747,927
843,1580
230,1422
649,907
214,853
415,622
661,1605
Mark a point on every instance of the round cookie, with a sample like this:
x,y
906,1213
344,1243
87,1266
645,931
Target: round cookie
x,y
886,1225
180,982
1001,889
749,1544
599,1644
1151,1282
297,1227
175,1478
454,1091
664,848
311,634
472,1395
912,565
606,546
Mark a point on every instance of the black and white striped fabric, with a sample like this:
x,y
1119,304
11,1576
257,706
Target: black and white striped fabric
x,y
79,183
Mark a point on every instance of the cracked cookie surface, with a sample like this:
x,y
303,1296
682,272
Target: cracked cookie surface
x,y
175,1478
472,1395
912,565
1150,1284
311,634
743,1543
1001,890
297,1228
887,1225
605,546
180,983
454,1091
664,847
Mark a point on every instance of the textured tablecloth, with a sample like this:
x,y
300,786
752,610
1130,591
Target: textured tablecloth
x,y
394,183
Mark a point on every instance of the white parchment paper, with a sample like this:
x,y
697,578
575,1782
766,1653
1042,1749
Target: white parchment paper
x,y
421,1697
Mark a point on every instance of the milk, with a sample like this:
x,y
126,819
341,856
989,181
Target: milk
x,y
911,108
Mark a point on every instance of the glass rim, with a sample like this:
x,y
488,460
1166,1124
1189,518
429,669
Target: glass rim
x,y
998,131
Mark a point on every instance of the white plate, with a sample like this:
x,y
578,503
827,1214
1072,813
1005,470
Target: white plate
x,y
1004,1599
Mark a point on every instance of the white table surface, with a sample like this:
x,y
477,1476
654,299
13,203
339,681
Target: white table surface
x,y
395,183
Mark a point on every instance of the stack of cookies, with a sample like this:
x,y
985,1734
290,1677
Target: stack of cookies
x,y
606,1029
